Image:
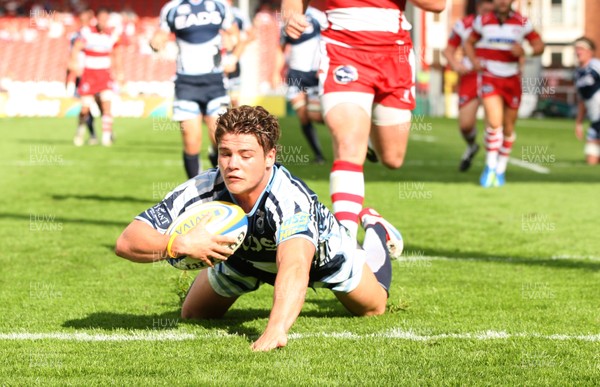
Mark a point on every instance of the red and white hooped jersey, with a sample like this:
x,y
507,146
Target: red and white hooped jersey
x,y
460,33
367,24
497,39
98,47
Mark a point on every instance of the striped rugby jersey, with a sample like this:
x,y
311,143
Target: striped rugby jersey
x,y
98,46
497,39
197,27
460,33
367,24
286,209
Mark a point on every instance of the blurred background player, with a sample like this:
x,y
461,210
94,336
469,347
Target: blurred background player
x,y
235,44
497,57
199,84
73,80
367,80
101,46
301,78
468,93
587,81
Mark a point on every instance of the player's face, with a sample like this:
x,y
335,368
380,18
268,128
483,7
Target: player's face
x,y
102,19
503,6
244,165
583,55
484,8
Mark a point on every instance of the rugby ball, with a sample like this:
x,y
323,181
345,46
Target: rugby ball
x,y
227,219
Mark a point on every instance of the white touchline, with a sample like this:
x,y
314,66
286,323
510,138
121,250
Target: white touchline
x,y
396,333
527,165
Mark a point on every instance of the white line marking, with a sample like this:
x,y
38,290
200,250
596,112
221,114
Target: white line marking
x,y
531,166
396,333
423,137
134,336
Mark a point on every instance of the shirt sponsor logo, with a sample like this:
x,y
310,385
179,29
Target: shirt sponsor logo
x,y
198,19
294,225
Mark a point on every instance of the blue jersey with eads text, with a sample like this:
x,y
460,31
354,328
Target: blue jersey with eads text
x,y
197,27
286,209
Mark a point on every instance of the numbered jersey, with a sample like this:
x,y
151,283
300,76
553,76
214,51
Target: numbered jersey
x,y
286,209
197,27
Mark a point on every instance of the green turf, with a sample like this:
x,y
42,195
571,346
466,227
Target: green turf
x,y
523,260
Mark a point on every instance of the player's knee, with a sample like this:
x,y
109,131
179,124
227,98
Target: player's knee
x,y
375,310
393,162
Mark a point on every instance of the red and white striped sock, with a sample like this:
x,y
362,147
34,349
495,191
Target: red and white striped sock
x,y
504,153
493,140
107,122
347,189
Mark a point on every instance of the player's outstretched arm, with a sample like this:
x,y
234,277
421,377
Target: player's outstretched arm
x,y
294,258
430,5
139,242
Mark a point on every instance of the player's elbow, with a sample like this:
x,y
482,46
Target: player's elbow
x,y
122,247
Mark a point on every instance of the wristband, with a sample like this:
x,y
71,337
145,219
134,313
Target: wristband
x,y
170,245
528,51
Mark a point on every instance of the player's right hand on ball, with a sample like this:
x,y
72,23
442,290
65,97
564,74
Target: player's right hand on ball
x,y
202,245
294,25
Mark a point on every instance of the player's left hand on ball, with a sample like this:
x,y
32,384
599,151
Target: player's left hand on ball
x,y
204,246
270,340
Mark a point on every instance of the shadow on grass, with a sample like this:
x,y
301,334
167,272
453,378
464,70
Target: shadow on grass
x,y
580,264
104,198
235,322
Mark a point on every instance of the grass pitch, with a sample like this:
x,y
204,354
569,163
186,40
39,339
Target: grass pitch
x,y
497,286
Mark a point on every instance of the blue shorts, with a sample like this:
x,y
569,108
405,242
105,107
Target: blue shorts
x,y
342,273
201,94
301,82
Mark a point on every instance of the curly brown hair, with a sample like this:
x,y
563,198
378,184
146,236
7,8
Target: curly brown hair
x,y
253,120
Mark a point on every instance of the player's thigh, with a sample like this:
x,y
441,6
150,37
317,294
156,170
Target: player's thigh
x,y
467,114
494,110
191,132
390,142
367,299
349,124
202,302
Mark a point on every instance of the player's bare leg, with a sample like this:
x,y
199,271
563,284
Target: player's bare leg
x,y
368,299
104,101
349,125
509,137
390,143
202,302
494,112
467,121
300,105
211,124
191,132
84,115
